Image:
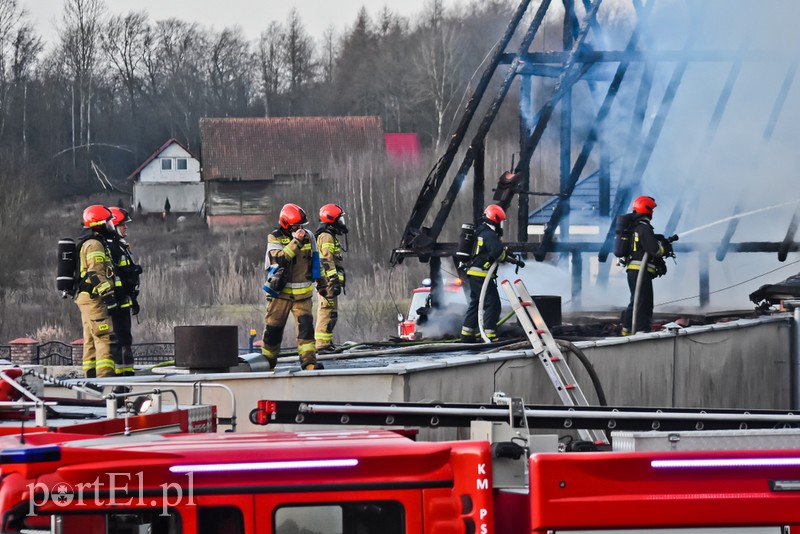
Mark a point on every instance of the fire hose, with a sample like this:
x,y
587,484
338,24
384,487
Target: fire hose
x,y
489,277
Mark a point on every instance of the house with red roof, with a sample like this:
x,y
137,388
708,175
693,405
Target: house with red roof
x,y
169,180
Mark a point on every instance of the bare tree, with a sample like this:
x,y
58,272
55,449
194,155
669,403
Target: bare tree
x,y
80,40
10,15
124,42
229,72
271,64
439,60
183,50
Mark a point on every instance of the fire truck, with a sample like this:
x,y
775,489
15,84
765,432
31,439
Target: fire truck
x,y
508,478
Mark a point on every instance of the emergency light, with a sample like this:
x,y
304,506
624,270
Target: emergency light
x,y
726,462
262,466
29,455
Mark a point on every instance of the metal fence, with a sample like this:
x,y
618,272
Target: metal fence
x,y
153,353
60,353
53,353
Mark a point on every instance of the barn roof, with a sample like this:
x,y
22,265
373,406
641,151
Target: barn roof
x,y
266,148
154,155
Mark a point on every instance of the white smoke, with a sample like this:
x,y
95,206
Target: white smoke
x,y
747,165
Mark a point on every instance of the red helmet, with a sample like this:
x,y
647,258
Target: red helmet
x,y
292,215
644,205
329,213
96,216
494,213
120,216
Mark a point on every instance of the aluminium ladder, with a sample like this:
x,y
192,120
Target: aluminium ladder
x,y
546,349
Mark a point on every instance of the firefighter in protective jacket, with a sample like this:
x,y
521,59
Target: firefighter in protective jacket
x,y
126,289
331,218
95,298
644,242
488,249
290,263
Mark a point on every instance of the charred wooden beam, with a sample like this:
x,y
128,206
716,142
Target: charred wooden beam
x,y
414,233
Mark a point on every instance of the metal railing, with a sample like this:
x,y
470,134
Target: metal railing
x,y
61,353
152,353
54,353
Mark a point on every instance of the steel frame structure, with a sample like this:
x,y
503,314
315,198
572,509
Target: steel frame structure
x,y
568,67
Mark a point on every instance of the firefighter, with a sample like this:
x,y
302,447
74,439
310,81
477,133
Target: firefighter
x,y
487,250
643,240
331,218
95,297
126,289
293,266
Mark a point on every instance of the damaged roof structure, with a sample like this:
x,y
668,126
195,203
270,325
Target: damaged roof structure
x,y
694,104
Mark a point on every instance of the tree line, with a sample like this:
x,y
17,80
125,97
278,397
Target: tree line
x,y
114,86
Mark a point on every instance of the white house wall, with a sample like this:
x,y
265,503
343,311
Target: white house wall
x,y
153,172
183,198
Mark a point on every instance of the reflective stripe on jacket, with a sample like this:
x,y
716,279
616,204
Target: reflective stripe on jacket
x,y
644,240
488,249
295,257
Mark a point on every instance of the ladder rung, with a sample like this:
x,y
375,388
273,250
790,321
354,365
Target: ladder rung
x,y
555,359
569,386
524,303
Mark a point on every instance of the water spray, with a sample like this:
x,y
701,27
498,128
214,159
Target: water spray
x,y
738,216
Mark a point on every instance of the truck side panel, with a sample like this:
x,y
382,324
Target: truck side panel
x,y
603,491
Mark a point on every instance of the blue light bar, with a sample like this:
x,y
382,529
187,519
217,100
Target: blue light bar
x,y
29,455
726,462
262,466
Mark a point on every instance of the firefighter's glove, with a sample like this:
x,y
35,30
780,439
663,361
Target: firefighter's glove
x,y
135,309
673,238
325,291
336,289
515,261
109,300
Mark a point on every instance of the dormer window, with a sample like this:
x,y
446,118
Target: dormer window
x,y
166,164
181,164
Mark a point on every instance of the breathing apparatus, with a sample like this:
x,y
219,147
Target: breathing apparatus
x,y
276,273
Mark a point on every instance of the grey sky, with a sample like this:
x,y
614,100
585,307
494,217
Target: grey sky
x,y
252,15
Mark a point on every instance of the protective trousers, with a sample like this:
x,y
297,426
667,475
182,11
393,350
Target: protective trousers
x,y
327,314
491,313
99,339
275,320
121,319
644,315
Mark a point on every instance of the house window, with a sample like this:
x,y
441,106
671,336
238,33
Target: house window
x,y
181,164
166,164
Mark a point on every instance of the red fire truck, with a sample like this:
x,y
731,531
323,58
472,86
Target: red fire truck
x,y
354,480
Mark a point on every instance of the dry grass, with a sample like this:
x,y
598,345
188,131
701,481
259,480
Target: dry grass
x,y
194,277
